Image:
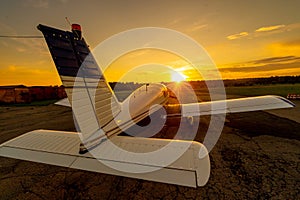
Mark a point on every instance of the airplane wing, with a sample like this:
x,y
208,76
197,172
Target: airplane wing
x,y
60,148
247,104
231,106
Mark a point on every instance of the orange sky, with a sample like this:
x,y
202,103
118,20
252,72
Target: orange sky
x,y
244,38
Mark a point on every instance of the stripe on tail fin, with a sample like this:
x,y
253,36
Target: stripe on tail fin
x,y
94,103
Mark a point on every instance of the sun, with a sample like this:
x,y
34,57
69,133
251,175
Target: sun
x,y
178,77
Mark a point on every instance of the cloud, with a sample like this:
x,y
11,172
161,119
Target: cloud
x,y
289,47
43,3
270,28
196,27
37,3
264,65
175,21
292,27
31,45
35,46
25,70
264,68
184,68
23,74
237,36
20,49
6,29
291,43
184,23
266,30
278,59
12,68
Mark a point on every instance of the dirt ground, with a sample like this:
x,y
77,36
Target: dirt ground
x,y
256,157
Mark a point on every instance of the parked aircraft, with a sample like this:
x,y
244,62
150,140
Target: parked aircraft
x,y
100,118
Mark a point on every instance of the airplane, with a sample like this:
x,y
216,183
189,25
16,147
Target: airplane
x,y
100,118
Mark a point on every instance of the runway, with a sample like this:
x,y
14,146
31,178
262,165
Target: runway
x,y
257,157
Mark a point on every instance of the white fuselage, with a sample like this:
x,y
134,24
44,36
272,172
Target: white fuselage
x,y
142,102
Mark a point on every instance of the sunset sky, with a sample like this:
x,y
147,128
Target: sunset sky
x,y
244,38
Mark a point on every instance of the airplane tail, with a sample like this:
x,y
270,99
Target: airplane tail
x,y
86,87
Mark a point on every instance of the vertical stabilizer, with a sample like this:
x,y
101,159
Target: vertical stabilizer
x,y
87,90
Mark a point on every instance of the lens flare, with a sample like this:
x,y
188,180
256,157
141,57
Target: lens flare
x,y
178,77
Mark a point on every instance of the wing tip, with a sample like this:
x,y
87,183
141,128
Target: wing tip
x,y
291,104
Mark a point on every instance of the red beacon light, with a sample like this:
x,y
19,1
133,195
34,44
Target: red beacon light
x,y
76,29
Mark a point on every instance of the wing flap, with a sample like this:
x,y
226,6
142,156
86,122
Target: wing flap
x,y
61,149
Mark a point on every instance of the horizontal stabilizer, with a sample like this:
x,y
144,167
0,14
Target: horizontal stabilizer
x,y
61,149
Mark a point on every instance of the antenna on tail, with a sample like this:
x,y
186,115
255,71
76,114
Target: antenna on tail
x,y
76,29
68,21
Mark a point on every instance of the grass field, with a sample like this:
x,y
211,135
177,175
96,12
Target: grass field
x,y
276,89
